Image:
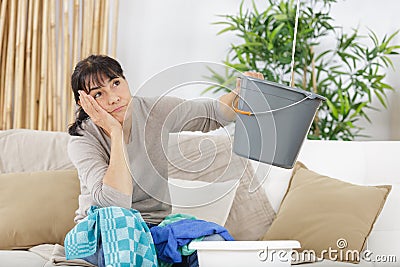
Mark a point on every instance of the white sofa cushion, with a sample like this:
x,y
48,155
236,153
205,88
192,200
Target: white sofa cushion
x,y
206,201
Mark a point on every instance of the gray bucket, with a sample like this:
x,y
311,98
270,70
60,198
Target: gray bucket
x,y
273,121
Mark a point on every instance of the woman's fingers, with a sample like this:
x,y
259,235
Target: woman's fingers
x,y
93,103
85,103
96,113
89,105
237,89
254,74
82,100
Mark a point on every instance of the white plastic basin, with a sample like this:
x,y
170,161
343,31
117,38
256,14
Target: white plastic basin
x,y
244,253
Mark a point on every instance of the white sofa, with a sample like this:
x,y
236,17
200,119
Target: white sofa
x,y
364,163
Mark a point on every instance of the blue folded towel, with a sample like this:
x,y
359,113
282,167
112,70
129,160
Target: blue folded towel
x,y
169,238
126,239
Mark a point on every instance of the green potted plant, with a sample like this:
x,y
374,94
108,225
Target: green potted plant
x,y
348,73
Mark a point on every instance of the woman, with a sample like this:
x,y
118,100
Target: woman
x,y
100,137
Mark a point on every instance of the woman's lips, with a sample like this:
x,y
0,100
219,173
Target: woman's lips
x,y
117,109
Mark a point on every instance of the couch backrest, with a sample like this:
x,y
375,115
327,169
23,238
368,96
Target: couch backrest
x,y
364,163
23,150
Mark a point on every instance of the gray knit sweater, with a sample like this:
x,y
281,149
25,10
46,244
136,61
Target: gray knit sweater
x,y
152,121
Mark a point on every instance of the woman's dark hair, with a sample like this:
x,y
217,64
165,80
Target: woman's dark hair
x,y
88,72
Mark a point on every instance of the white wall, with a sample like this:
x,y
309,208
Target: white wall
x,y
383,18
156,34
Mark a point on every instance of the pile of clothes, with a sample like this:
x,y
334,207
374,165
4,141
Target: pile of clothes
x,y
127,239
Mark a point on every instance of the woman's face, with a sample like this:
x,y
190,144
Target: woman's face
x,y
113,96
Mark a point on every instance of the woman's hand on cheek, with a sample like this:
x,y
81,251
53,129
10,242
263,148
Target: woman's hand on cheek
x,y
97,114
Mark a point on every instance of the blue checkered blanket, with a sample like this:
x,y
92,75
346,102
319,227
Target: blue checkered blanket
x,y
126,239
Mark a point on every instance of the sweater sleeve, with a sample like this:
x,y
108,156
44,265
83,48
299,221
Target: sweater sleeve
x,y
191,115
91,161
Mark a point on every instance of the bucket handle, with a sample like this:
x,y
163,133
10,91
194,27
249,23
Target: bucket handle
x,y
237,110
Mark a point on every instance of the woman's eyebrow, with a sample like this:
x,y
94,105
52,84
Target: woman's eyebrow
x,y
97,87
94,88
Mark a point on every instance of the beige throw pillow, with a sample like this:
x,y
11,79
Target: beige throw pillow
x,y
323,213
251,213
37,208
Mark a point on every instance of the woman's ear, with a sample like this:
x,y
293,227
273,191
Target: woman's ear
x,y
79,103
